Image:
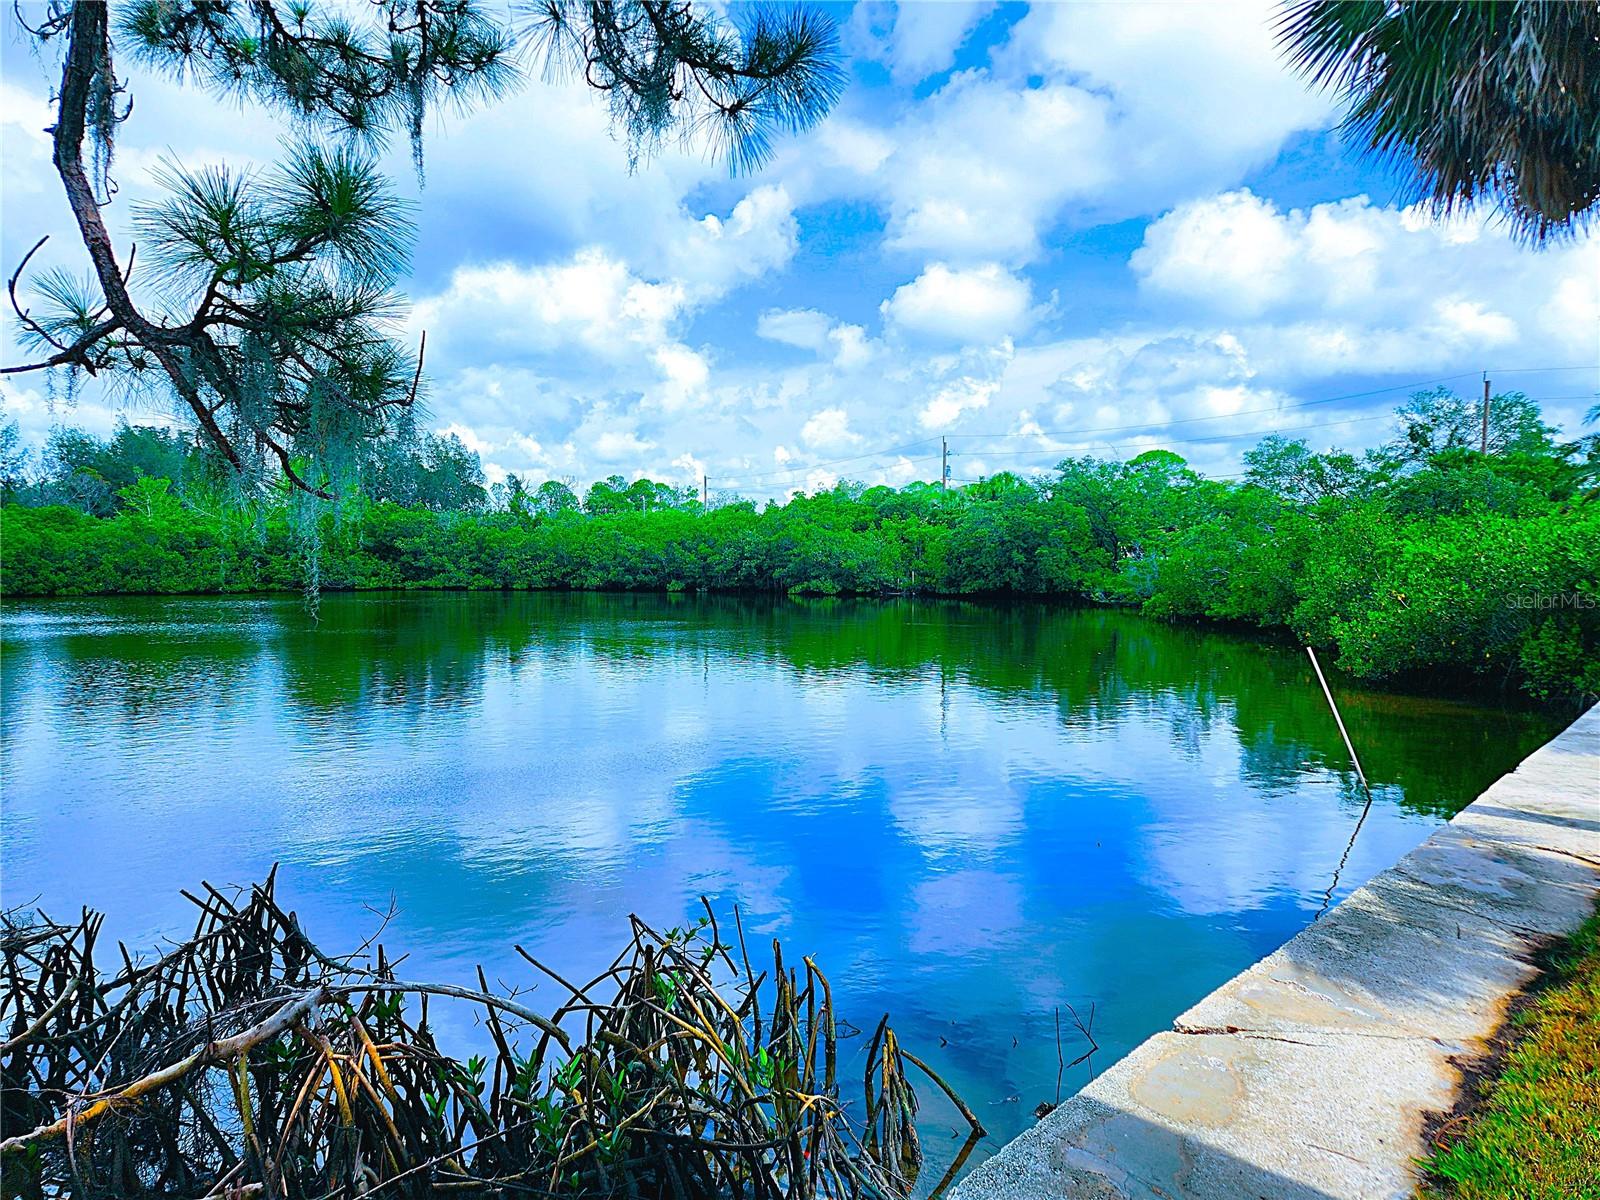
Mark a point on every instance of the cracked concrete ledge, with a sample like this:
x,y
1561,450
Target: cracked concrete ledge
x,y
1310,1075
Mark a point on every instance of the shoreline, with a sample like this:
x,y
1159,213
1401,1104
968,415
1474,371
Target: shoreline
x,y
1474,690
1313,1074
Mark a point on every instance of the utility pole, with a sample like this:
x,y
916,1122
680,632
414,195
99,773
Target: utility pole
x,y
1483,445
705,493
944,464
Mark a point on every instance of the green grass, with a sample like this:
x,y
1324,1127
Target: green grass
x,y
1534,1131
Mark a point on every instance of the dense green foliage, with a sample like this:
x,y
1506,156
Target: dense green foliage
x,y
1425,557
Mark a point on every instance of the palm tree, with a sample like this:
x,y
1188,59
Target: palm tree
x,y
1488,102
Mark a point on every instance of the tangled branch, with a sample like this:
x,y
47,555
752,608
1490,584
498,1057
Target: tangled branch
x,y
266,304
245,1061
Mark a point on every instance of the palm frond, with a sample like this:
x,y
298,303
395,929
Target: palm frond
x,y
1486,103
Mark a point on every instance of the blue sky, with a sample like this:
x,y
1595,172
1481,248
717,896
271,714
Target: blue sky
x,y
1037,232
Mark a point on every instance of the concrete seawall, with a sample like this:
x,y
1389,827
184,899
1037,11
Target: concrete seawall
x,y
1310,1075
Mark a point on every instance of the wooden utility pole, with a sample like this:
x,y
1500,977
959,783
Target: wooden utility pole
x,y
1483,444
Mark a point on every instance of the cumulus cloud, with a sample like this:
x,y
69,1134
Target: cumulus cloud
x,y
1087,112
1348,285
828,430
984,168
847,346
914,40
1195,87
850,146
684,374
803,327
1117,396
583,318
983,303
958,396
594,341
592,301
613,445
712,255
24,116
852,347
1234,250
36,412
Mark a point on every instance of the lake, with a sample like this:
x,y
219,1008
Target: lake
x,y
971,816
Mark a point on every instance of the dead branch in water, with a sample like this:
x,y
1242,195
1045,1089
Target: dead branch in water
x,y
245,1062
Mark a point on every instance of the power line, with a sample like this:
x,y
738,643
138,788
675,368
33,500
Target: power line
x,y
1208,478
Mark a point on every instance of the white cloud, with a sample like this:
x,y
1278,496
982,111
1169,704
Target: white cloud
x,y
901,472
983,168
1574,304
593,301
614,445
974,304
914,40
684,373
37,412
1101,384
955,398
803,327
1195,86
828,430
579,314
851,145
712,256
690,467
1233,251
468,438
1087,112
1350,286
852,347
24,117
511,344
577,190
847,346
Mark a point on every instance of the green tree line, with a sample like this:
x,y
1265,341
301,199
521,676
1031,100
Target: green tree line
x,y
1427,557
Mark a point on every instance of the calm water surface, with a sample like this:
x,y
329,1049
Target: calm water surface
x,y
969,815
